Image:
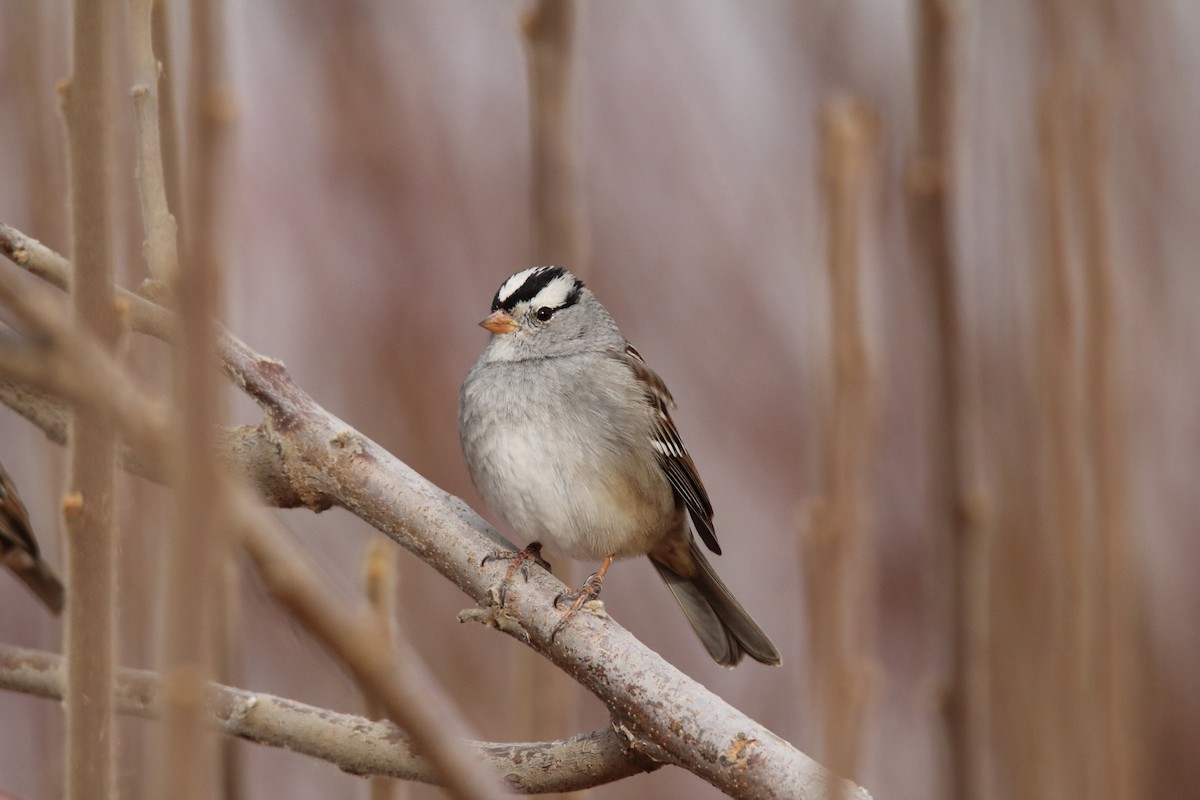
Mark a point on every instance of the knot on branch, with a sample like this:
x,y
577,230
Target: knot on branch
x,y
638,749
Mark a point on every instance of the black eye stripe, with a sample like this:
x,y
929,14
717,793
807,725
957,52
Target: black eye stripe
x,y
535,283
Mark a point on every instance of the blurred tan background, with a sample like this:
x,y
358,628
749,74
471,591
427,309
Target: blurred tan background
x,y
380,192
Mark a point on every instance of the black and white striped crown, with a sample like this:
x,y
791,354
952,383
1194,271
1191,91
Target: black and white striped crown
x,y
548,287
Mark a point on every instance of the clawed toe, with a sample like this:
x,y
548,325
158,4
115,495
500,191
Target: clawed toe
x,y
588,592
520,562
562,623
585,602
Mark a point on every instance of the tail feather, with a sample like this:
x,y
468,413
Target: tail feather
x,y
725,628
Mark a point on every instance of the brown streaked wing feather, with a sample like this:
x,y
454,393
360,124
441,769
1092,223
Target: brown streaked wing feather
x,y
19,550
14,519
669,450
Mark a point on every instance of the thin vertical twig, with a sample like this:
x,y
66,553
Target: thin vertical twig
x,y
1119,697
837,566
379,585
88,506
159,245
1061,501
198,551
160,248
1098,724
168,115
29,38
962,555
227,651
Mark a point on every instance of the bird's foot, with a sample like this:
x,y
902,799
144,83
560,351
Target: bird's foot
x,y
520,563
588,592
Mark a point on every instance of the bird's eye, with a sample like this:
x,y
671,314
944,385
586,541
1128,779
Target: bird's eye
x,y
544,313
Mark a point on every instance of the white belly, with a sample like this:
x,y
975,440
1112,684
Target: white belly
x,y
585,496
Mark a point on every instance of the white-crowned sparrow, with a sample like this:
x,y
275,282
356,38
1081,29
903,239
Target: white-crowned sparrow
x,y
568,437
19,550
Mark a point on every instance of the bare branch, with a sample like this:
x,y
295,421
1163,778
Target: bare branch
x,y
250,454
191,760
353,744
245,451
168,118
379,586
666,715
1122,714
43,410
61,360
836,560
90,636
956,521
402,685
159,247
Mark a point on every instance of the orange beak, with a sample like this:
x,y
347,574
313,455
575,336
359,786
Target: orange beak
x,y
499,322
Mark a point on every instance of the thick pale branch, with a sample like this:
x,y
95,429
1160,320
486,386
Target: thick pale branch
x,y
666,715
351,743
669,717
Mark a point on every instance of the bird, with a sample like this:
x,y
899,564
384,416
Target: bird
x,y
19,551
567,434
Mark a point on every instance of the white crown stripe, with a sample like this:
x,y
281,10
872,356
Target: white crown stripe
x,y
555,293
510,286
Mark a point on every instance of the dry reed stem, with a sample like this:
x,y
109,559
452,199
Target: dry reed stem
x,y
33,39
228,638
1059,505
1092,700
1120,696
962,608
191,760
88,506
159,245
836,560
1062,710
1098,724
379,585
168,116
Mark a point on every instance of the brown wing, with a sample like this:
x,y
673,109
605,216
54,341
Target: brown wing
x,y
19,550
671,454
14,519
